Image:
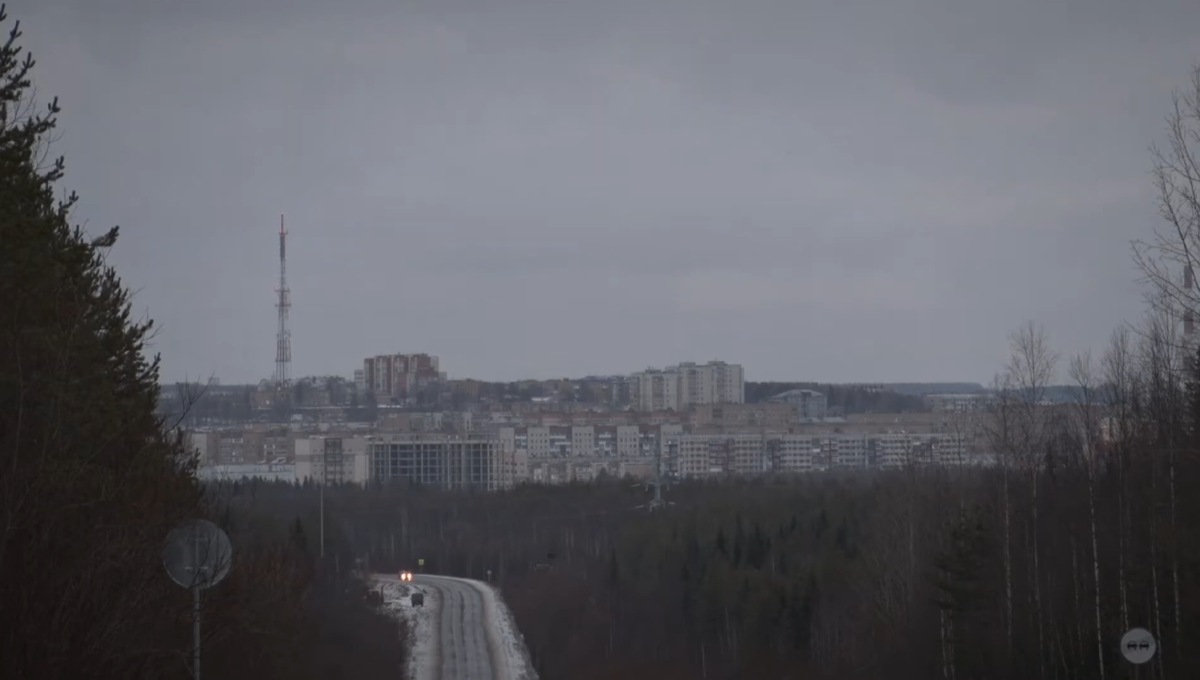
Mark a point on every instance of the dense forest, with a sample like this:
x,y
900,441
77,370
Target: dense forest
x,y
92,479
1032,568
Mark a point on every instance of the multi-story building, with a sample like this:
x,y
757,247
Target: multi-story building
x,y
537,442
231,447
583,442
679,387
203,446
279,445
442,461
629,442
744,454
332,460
655,390
398,376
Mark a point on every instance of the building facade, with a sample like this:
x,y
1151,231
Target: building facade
x,y
809,404
331,460
441,461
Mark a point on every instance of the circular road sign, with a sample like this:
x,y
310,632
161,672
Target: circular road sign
x,y
197,554
1138,646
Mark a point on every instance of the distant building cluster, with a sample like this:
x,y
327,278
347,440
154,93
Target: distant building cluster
x,y
676,388
398,377
500,449
690,419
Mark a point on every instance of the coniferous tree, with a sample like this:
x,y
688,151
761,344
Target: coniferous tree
x,y
90,481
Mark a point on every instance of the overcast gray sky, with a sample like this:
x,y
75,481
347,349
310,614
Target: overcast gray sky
x,y
861,190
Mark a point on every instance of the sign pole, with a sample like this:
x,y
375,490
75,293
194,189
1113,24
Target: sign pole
x,y
198,560
194,569
196,632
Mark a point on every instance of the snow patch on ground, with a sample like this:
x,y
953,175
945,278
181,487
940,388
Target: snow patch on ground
x,y
423,660
518,664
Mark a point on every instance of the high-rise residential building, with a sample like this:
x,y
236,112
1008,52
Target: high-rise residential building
x,y
655,390
687,384
398,376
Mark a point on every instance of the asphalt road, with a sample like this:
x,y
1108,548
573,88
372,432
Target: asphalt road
x,y
463,634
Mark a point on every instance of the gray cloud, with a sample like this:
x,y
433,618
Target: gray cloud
x,y
864,190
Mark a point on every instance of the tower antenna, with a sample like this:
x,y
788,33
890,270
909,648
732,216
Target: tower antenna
x,y
283,337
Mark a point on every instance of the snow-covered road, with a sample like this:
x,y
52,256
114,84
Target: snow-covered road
x,y
463,632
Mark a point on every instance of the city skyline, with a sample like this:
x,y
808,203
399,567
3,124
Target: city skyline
x,y
549,190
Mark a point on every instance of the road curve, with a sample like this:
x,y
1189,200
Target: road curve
x,y
465,640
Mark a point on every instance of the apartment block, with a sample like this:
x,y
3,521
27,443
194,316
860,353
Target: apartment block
x,y
583,442
655,390
629,441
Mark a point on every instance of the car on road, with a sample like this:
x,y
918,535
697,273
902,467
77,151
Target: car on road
x,y
406,576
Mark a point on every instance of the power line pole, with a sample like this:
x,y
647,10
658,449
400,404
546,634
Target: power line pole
x,y
658,502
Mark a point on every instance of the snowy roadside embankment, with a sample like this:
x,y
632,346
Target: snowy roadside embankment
x,y
518,664
423,660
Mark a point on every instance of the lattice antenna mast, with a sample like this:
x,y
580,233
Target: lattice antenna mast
x,y
283,337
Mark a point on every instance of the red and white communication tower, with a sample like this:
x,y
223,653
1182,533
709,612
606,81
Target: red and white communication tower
x,y
283,337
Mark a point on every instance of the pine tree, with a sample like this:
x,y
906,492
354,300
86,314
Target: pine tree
x,y
90,481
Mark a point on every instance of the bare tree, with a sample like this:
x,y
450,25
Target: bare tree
x,y
1168,262
1121,386
1000,429
1031,369
1087,415
1169,258
1164,364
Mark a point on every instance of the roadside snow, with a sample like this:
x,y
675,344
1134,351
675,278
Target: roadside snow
x,y
518,664
423,662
